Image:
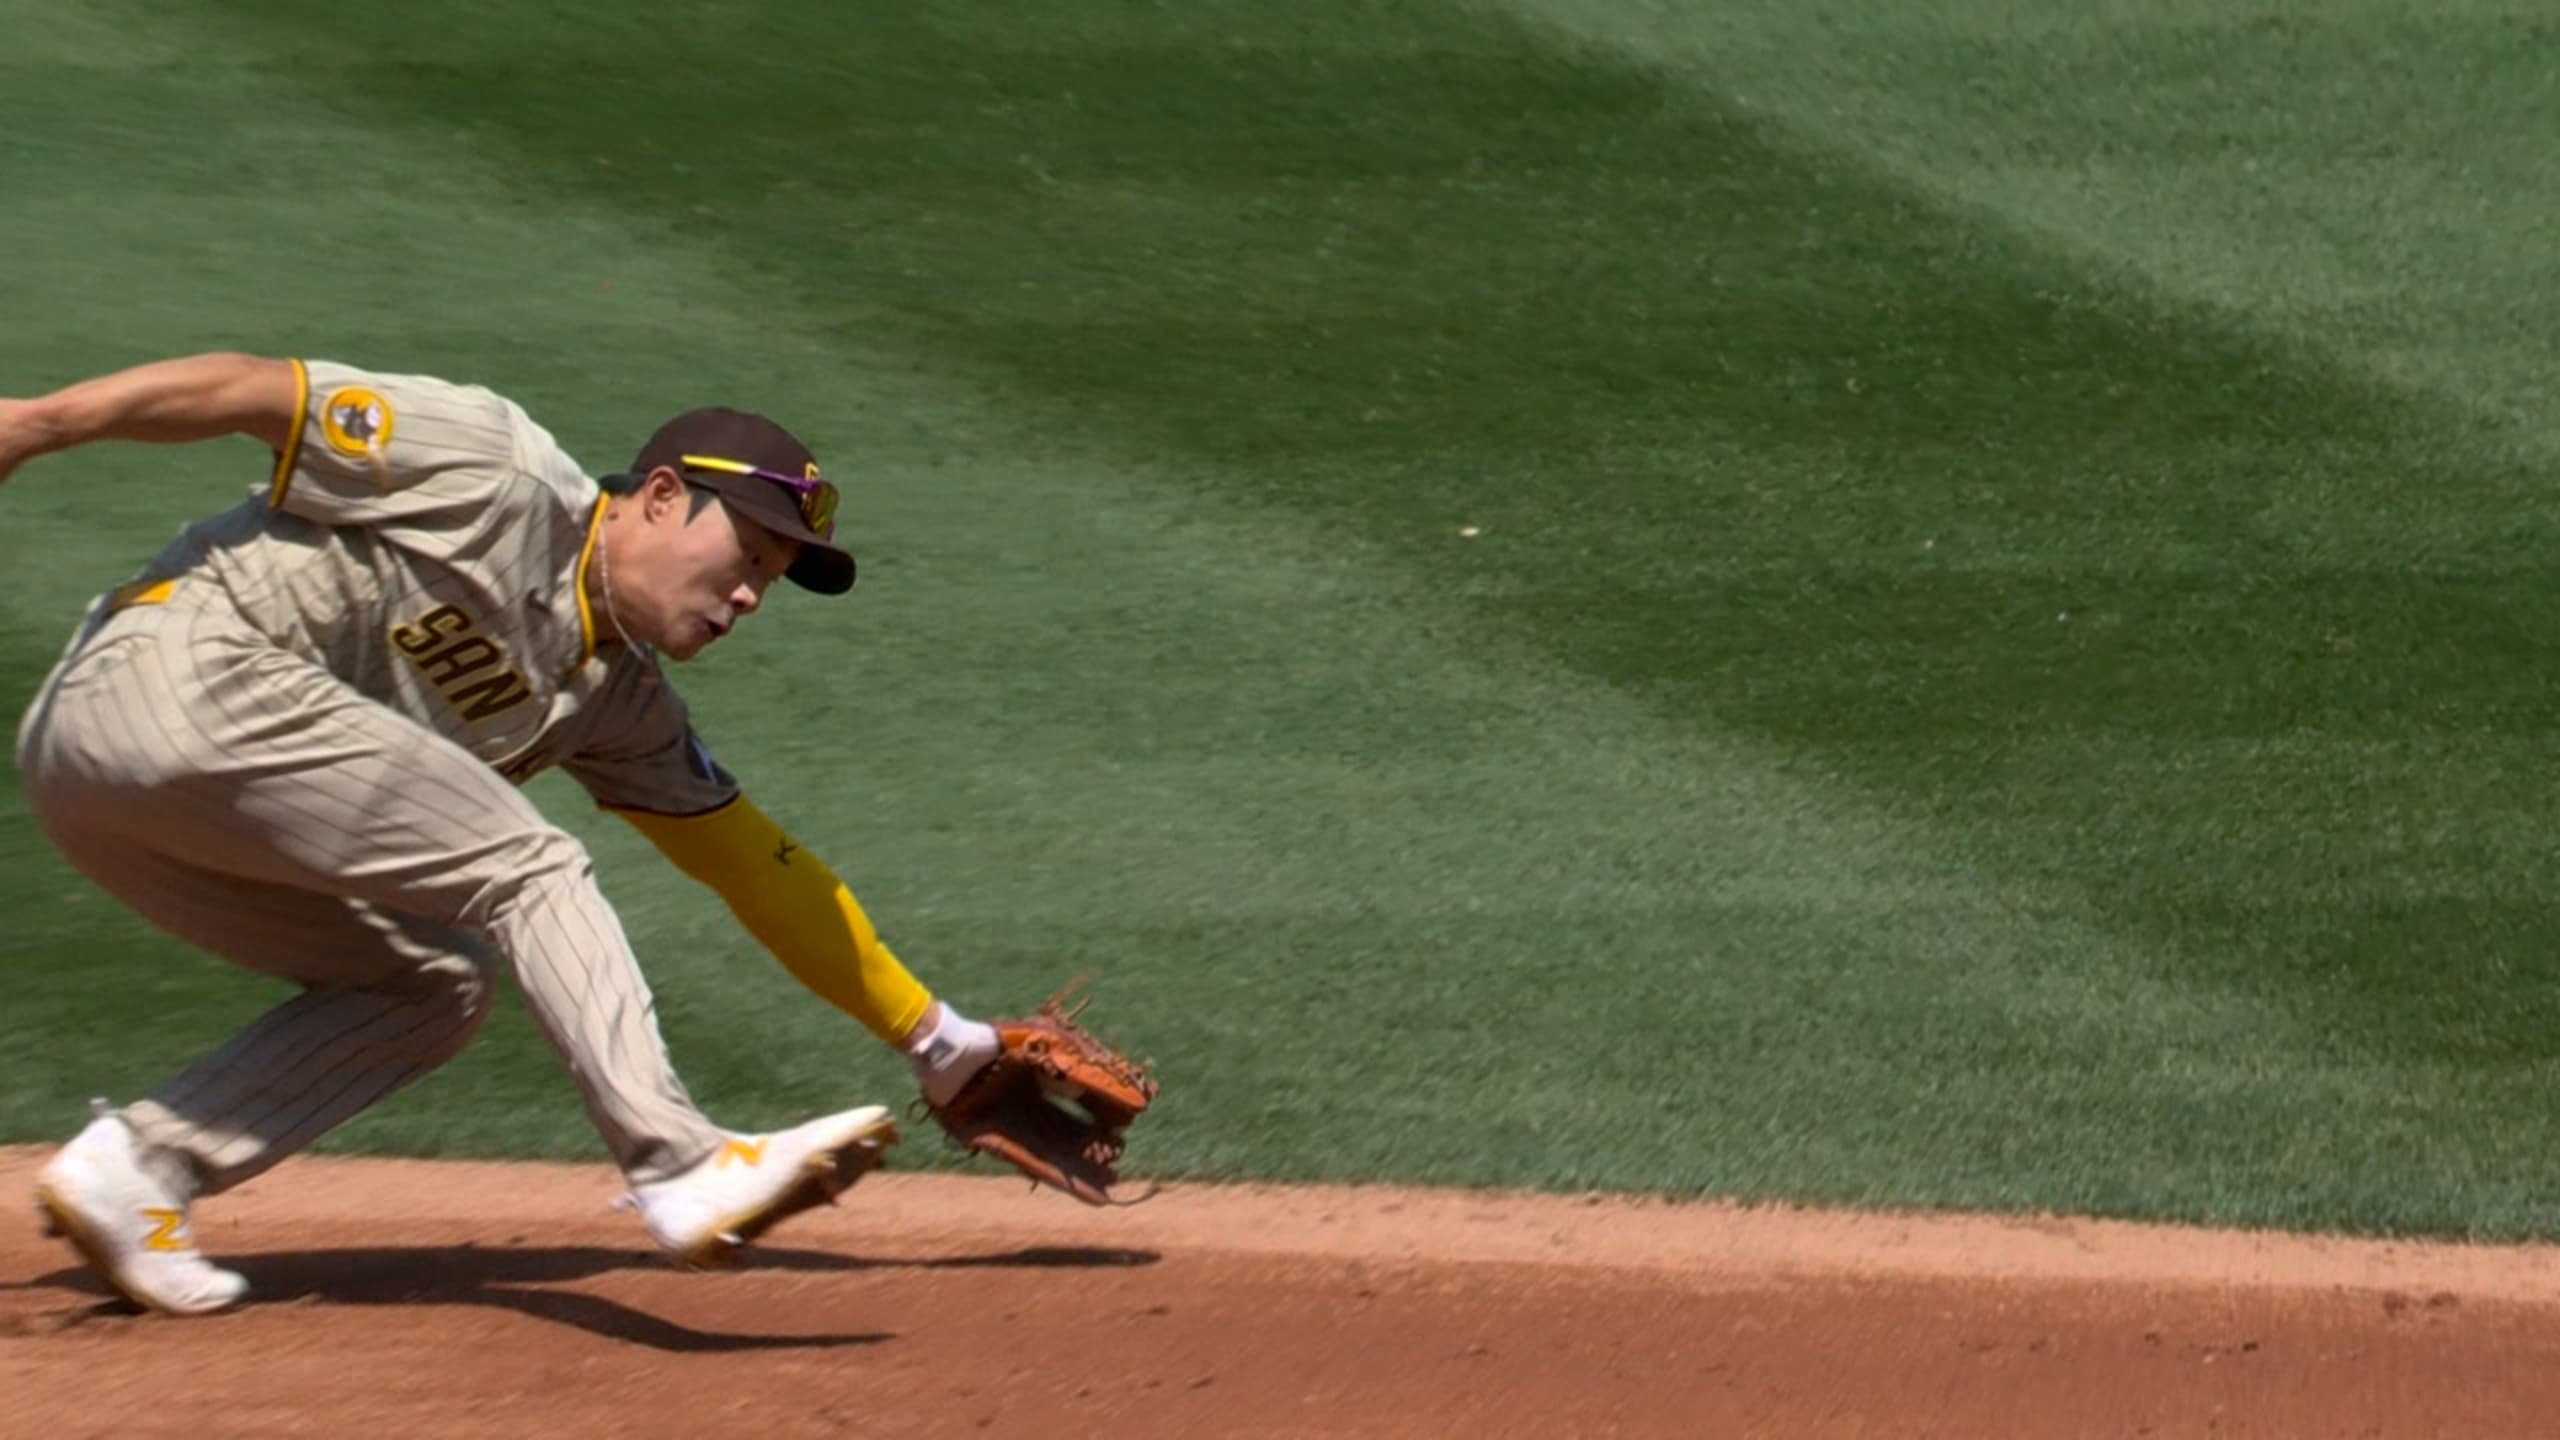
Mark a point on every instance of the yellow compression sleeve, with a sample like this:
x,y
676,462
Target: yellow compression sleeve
x,y
790,900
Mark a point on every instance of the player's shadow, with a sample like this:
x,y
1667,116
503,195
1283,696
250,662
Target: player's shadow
x,y
518,1279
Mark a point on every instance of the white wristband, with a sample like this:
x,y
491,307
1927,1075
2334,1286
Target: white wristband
x,y
946,1055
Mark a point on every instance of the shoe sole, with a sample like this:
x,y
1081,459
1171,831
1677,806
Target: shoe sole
x,y
62,1221
823,1176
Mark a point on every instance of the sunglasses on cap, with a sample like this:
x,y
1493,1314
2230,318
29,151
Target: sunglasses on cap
x,y
817,497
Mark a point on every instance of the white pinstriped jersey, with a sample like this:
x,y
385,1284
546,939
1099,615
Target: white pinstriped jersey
x,y
428,544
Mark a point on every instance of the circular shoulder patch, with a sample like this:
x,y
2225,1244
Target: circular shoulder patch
x,y
356,421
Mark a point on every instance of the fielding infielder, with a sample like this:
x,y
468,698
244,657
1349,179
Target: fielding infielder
x,y
294,739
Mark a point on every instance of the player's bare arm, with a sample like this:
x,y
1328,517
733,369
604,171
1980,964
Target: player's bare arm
x,y
197,397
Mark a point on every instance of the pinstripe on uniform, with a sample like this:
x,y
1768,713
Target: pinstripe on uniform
x,y
295,741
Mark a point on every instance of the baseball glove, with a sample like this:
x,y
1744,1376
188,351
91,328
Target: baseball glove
x,y
1055,1103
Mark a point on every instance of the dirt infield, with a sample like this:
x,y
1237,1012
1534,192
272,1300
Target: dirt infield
x,y
411,1298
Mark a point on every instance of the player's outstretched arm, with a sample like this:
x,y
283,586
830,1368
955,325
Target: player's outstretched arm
x,y
994,1087
789,899
168,401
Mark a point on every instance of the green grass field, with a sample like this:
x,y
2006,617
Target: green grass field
x,y
2005,657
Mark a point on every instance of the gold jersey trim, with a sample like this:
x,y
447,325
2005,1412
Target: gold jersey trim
x,y
586,612
140,592
292,450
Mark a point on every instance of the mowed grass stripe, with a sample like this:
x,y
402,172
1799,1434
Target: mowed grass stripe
x,y
2279,170
1921,1063
2365,180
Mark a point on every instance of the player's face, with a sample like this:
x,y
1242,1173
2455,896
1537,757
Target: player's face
x,y
708,569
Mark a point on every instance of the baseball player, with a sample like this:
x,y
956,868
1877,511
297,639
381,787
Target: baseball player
x,y
294,740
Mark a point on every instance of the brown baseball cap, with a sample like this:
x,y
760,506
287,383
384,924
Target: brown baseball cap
x,y
765,474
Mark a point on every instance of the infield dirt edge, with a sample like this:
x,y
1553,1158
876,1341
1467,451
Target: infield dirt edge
x,y
1704,1241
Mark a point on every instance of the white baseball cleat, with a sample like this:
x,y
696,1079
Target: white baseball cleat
x,y
755,1182
96,1194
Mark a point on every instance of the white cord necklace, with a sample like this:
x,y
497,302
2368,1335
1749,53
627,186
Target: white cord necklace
x,y
604,583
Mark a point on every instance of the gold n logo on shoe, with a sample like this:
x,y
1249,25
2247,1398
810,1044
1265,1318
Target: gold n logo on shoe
x,y
164,1228
746,1152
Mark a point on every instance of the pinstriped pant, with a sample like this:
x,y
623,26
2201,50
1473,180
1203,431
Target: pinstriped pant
x,y
246,801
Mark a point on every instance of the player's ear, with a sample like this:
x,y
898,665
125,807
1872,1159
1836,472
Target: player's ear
x,y
661,493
